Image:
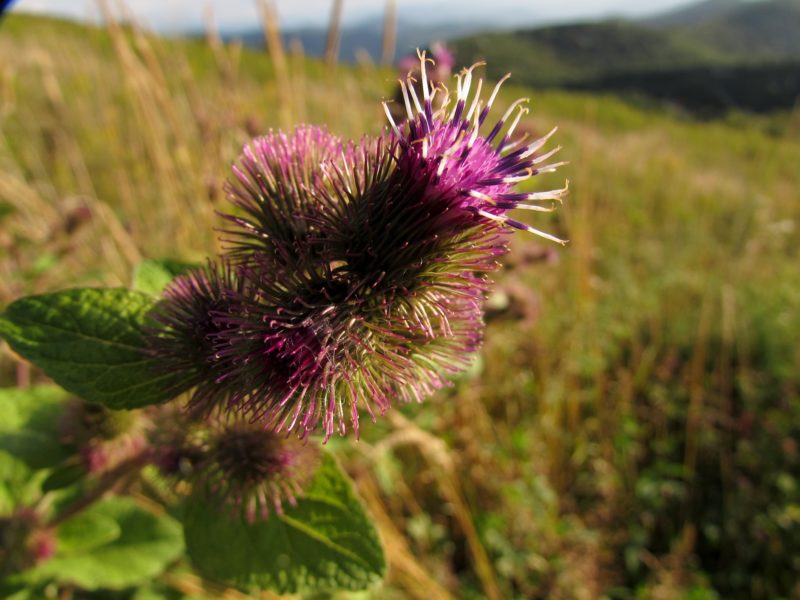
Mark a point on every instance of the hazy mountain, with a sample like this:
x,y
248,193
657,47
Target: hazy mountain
x,y
695,13
752,30
721,53
366,36
574,52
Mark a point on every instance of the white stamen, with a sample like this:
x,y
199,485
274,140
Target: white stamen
x,y
511,145
468,79
407,102
528,228
391,120
488,215
416,101
546,236
511,108
445,101
536,208
442,165
552,167
422,61
458,98
466,84
518,178
346,166
544,157
548,195
522,111
497,89
475,127
538,143
484,197
475,101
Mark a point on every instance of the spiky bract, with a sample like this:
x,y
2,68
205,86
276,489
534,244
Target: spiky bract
x,y
186,324
251,471
274,185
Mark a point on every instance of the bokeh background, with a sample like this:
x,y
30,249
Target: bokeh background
x,y
631,426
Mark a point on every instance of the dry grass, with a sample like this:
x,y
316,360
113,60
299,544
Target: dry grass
x,y
114,146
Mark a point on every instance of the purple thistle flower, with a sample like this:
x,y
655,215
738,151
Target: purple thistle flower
x,y
274,187
185,325
476,171
360,268
382,301
308,350
250,470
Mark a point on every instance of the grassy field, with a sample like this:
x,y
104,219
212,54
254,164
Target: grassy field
x,y
631,428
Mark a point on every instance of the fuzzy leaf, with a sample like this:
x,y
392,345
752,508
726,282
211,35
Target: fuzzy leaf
x,y
85,531
68,473
153,275
29,424
126,546
90,342
19,486
326,542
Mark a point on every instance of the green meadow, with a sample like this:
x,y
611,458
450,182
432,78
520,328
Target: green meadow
x,y
631,428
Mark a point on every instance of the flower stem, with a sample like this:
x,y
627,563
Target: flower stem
x,y
107,482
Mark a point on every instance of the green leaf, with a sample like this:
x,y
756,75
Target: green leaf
x,y
67,473
325,542
17,587
19,486
153,275
90,341
139,549
86,531
29,424
157,591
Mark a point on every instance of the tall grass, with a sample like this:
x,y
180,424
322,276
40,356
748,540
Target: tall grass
x,y
636,433
139,131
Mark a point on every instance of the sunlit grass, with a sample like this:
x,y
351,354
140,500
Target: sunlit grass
x,y
571,464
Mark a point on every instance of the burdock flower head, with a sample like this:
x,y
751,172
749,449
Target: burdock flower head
x,y
474,172
246,469
186,324
355,272
273,186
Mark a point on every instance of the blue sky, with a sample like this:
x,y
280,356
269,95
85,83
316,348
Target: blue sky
x,y
176,15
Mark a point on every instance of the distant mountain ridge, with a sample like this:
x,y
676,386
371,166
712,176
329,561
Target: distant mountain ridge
x,y
364,37
752,31
726,46
694,13
718,32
